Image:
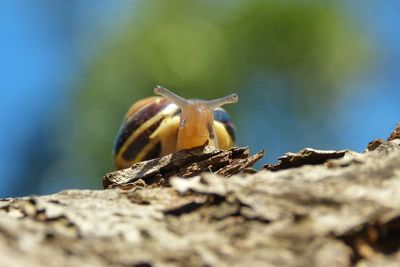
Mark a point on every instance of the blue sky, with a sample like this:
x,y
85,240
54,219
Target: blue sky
x,y
42,58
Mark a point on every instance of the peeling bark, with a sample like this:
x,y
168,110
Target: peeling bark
x,y
185,163
307,156
395,134
330,210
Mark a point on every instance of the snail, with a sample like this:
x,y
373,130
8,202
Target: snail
x,y
157,126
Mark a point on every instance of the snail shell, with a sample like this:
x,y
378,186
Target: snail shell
x,y
157,126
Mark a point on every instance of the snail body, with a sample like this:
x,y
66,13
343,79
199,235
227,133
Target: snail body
x,y
159,125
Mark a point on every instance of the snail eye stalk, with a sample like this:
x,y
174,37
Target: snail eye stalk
x,y
177,100
229,99
182,102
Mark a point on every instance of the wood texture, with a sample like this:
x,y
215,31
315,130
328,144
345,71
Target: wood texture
x,y
185,163
331,212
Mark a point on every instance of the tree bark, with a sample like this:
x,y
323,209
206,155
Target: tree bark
x,y
319,209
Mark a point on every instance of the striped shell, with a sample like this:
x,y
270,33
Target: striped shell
x,y
150,129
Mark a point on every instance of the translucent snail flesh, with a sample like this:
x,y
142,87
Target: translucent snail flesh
x,y
157,126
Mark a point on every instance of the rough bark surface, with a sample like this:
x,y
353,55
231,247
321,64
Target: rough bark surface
x,y
185,163
340,212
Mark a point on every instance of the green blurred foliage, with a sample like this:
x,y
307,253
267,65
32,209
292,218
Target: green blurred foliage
x,y
207,49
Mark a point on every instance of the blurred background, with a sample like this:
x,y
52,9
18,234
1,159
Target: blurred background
x,y
321,74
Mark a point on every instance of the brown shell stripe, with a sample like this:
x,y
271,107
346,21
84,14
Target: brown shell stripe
x,y
133,124
137,144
